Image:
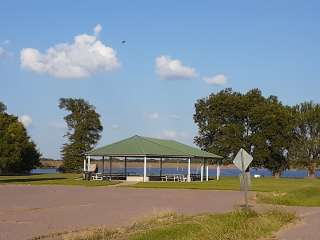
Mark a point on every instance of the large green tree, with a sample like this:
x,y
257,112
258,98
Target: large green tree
x,y
18,154
229,120
225,123
84,131
306,149
274,124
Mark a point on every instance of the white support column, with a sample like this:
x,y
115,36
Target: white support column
x,y
218,172
145,169
201,172
84,164
189,172
89,163
207,172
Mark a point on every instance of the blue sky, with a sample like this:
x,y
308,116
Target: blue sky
x,y
201,47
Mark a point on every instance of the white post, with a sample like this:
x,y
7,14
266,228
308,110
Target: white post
x,y
189,166
218,172
145,169
84,164
207,173
201,172
89,164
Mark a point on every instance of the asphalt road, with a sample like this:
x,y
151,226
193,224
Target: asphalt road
x,y
27,211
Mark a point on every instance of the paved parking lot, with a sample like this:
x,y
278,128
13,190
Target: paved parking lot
x,y
27,211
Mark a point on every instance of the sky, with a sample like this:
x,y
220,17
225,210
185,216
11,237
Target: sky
x,y
144,64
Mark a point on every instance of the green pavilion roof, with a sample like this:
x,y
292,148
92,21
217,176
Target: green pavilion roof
x,y
144,146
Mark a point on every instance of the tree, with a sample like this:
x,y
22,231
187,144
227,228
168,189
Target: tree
x,y
225,122
306,149
84,131
273,139
218,121
3,107
18,154
228,121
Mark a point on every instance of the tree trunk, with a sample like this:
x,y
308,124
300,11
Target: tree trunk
x,y
312,170
276,174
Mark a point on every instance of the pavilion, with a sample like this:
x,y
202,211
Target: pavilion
x,y
146,148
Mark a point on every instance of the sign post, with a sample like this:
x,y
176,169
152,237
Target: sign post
x,y
242,161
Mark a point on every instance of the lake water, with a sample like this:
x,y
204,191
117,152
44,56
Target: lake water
x,y
212,172
44,170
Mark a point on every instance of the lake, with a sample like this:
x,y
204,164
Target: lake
x,y
212,172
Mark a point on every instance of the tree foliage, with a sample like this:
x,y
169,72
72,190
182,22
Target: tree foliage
x,y
229,120
18,154
3,107
84,131
306,149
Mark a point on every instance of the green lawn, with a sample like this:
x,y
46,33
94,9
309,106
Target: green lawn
x,y
267,184
53,179
237,225
301,196
284,191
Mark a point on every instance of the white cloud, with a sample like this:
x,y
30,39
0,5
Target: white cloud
x,y
97,29
174,135
168,68
115,126
219,79
80,59
153,115
174,116
26,120
170,134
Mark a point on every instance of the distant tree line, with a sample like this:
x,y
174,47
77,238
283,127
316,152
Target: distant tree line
x,y
278,136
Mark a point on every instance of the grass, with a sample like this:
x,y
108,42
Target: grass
x,y
283,191
53,179
237,225
267,184
304,196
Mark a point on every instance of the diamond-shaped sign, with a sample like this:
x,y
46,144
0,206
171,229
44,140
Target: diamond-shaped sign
x,y
242,160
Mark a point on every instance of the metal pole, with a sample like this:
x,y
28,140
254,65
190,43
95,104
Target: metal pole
x,y
207,172
201,172
204,166
88,169
218,172
110,166
89,163
189,166
160,167
245,182
145,169
125,166
102,164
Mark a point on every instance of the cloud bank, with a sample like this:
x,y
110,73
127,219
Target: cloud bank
x,y
83,57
